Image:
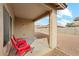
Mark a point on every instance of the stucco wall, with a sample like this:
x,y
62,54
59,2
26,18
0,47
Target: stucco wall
x,y
10,11
69,30
4,50
1,29
23,28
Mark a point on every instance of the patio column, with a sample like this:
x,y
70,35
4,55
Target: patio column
x,y
52,29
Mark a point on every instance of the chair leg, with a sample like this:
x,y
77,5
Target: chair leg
x,y
22,52
17,52
30,50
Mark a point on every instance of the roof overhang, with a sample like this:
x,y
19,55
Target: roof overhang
x,y
62,6
58,6
34,11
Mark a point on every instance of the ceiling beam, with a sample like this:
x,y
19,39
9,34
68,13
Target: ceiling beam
x,y
23,18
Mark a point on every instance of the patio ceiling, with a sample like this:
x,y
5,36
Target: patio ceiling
x,y
33,11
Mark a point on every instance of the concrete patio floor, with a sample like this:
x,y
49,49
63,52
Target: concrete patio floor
x,y
40,48
39,45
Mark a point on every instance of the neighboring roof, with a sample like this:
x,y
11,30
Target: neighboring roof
x,y
76,19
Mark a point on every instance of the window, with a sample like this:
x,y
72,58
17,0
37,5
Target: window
x,y
6,22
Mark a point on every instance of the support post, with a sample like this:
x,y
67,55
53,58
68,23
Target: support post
x,y
53,29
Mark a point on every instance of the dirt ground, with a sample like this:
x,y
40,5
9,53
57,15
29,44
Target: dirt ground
x,y
69,43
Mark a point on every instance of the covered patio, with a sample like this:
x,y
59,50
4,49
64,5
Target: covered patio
x,y
23,16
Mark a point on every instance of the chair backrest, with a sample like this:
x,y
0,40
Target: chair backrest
x,y
14,38
14,43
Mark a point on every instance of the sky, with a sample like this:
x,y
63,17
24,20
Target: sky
x,y
63,16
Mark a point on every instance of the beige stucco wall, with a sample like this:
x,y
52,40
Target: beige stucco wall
x,y
1,29
4,50
23,28
10,11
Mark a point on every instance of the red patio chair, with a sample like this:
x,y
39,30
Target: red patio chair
x,y
21,47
